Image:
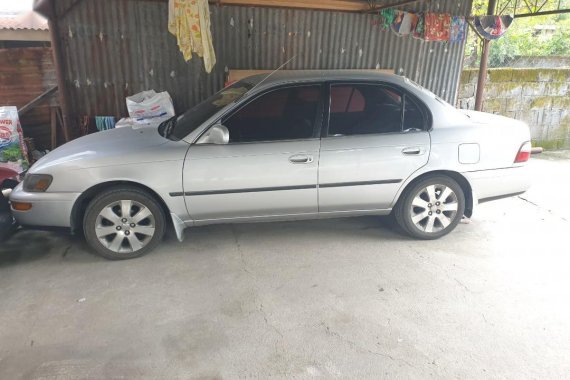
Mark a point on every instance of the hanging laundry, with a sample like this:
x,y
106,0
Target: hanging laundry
x,y
437,26
104,123
458,29
419,30
492,27
388,16
189,21
398,18
404,23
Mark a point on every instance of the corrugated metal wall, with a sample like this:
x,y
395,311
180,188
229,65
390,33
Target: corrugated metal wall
x,y
115,48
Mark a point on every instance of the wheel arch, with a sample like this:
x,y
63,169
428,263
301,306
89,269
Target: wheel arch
x,y
80,205
457,177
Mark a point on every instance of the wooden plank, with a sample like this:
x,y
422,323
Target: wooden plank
x,y
377,9
235,75
43,96
53,117
66,135
24,35
334,5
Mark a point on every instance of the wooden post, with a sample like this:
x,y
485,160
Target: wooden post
x,y
60,73
53,135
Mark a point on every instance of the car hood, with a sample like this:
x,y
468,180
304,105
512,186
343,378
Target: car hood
x,y
103,148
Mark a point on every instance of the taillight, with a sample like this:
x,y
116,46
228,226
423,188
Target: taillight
x,y
524,153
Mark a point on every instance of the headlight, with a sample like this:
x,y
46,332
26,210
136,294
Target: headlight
x,y
37,183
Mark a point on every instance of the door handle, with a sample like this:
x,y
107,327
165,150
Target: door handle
x,y
301,159
413,151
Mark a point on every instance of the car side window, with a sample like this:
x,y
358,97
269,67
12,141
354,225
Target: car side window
x,y
358,109
413,116
284,114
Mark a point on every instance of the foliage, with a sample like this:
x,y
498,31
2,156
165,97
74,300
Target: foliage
x,y
522,38
501,52
12,153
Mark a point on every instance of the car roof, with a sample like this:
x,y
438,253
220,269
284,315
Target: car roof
x,y
290,76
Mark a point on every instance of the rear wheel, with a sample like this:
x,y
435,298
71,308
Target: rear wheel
x,y
124,223
431,208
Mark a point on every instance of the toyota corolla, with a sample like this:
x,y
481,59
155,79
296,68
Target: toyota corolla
x,y
283,147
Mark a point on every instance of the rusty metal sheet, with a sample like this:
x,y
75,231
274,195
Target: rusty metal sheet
x,y
113,49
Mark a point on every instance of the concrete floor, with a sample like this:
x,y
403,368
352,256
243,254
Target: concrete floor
x,y
345,298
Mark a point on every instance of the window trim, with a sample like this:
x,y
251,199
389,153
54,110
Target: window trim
x,y
320,117
427,118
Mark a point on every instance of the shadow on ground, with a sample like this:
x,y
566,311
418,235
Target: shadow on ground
x,y
30,245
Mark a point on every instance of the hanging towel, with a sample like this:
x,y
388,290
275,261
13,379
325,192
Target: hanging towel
x,y
189,21
419,30
437,26
458,29
398,18
104,123
404,23
492,27
388,16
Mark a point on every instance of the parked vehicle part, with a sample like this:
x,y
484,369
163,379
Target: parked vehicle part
x,y
123,223
289,146
431,208
8,181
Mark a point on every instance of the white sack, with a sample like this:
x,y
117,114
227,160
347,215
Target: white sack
x,y
148,104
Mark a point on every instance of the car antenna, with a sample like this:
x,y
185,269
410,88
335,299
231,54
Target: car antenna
x,y
273,72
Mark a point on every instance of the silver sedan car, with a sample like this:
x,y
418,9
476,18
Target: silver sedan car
x,y
283,147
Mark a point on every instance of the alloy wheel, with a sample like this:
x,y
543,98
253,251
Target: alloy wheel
x,y
434,208
125,226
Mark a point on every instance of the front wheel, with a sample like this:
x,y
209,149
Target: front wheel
x,y
124,223
431,208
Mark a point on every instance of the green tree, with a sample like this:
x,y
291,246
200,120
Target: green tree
x,y
522,38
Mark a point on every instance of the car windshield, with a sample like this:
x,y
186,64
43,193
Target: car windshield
x,y
178,127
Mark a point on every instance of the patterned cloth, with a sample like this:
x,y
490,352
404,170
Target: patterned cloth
x,y
388,16
437,26
404,23
492,27
419,30
189,21
458,29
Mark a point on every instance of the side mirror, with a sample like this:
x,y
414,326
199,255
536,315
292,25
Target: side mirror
x,y
217,134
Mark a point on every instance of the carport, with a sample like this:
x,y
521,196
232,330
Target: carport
x,y
338,298
106,51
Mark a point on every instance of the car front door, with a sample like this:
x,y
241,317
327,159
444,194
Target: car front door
x,y
376,138
268,168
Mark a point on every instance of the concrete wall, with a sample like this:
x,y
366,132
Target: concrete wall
x,y
540,97
552,62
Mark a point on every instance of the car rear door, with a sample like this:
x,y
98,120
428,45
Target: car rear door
x,y
375,139
270,165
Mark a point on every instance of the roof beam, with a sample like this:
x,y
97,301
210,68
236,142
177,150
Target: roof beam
x,y
45,7
331,5
24,35
544,13
393,5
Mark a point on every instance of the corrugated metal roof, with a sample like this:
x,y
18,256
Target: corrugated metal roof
x,y
24,21
123,47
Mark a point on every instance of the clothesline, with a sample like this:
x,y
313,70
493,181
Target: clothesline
x,y
430,26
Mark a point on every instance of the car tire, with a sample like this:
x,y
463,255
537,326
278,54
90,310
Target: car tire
x,y
124,223
430,208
